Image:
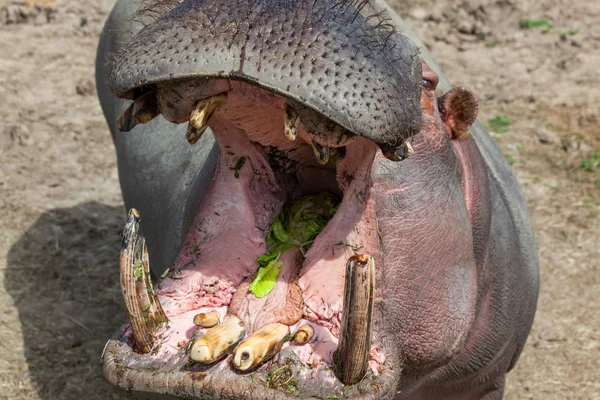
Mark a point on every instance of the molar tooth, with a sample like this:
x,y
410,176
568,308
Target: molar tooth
x,y
260,347
141,302
352,354
321,152
143,110
207,320
217,341
304,334
203,110
291,121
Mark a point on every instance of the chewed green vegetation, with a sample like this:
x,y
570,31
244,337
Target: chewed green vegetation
x,y
297,226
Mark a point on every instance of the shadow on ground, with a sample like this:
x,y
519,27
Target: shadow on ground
x,y
64,280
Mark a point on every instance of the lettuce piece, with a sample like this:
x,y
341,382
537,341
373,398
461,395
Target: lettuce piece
x,y
266,278
297,225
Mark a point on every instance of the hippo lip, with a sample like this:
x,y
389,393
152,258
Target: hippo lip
x,y
248,124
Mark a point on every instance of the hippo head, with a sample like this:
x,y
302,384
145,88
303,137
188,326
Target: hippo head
x,y
321,258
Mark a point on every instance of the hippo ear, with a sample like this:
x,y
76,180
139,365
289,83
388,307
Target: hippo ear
x,y
458,109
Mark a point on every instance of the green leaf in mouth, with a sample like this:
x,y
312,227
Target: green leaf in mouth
x,y
296,226
266,278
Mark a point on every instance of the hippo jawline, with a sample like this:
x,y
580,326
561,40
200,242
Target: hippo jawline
x,y
271,150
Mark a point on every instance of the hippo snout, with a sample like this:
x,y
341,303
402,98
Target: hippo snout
x,y
322,232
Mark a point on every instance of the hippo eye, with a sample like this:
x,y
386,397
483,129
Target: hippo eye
x,y
427,84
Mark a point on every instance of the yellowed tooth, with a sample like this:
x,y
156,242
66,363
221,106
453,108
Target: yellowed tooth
x,y
143,110
304,334
200,116
217,341
141,302
408,149
207,320
291,121
321,152
260,347
353,352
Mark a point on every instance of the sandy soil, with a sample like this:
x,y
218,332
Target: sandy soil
x,y
61,210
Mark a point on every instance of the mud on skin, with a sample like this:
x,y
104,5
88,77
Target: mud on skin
x,y
420,281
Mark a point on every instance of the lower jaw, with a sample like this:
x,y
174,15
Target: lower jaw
x,y
218,260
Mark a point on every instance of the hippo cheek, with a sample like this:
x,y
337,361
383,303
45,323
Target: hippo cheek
x,y
278,287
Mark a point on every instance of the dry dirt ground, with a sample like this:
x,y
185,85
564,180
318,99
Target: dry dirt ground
x,y
61,211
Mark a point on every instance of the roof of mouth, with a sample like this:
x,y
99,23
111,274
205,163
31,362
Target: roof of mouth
x,y
331,55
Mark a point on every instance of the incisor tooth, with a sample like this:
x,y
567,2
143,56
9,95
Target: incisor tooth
x,y
217,341
141,302
260,347
200,115
207,320
352,354
304,334
291,121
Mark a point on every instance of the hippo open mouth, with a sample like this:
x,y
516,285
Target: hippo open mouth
x,y
273,293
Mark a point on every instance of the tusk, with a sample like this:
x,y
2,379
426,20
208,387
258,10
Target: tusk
x,y
217,341
143,110
291,122
141,302
207,320
260,347
304,334
200,115
321,152
352,355
402,153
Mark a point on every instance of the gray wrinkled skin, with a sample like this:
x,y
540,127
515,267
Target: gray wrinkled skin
x,y
346,58
166,178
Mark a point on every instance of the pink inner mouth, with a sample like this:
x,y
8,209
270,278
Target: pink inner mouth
x,y
218,259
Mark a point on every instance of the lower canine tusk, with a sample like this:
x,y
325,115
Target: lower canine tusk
x,y
260,347
352,355
141,302
201,114
217,341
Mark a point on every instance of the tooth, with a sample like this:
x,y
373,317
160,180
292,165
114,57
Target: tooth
x,y
408,149
321,152
143,110
217,341
260,347
291,122
399,154
207,320
200,115
352,354
142,305
304,334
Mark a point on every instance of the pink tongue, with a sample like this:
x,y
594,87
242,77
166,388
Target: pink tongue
x,y
228,233
283,304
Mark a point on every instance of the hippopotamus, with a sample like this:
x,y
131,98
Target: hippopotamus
x,y
314,211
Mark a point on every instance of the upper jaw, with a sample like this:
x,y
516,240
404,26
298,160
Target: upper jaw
x,y
333,59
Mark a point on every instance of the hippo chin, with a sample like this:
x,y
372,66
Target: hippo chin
x,y
326,217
